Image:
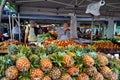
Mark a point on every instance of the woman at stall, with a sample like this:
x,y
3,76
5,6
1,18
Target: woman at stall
x,y
31,32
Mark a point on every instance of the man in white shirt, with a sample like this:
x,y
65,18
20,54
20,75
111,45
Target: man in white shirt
x,y
15,32
30,33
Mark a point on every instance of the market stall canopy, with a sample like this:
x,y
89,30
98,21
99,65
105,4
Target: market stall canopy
x,y
64,7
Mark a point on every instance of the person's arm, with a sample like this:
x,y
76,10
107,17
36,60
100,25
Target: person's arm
x,y
26,35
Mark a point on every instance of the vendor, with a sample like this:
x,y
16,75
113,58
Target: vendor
x,y
64,33
31,32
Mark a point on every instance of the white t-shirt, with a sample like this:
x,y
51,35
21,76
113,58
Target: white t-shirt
x,y
15,30
31,34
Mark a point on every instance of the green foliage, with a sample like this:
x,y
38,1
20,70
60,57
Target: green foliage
x,y
42,37
11,7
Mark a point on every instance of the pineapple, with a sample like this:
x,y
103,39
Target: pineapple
x,y
68,61
23,64
73,71
83,76
114,76
98,76
46,64
34,59
102,60
91,71
4,78
106,72
55,73
88,61
46,78
36,74
11,73
66,77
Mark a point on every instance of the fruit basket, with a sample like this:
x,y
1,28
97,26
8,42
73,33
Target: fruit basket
x,y
57,63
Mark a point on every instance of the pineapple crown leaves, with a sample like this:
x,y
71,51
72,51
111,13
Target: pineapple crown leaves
x,y
60,49
51,48
56,58
79,62
39,50
73,48
20,55
32,48
93,55
24,76
79,53
12,49
25,50
74,78
34,59
116,70
7,61
71,54
114,63
91,48
85,50
70,48
42,56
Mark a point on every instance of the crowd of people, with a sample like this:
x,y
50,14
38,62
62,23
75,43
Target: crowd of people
x,y
29,33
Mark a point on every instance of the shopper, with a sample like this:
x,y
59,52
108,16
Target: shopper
x,y
31,32
97,32
16,32
79,33
40,31
64,34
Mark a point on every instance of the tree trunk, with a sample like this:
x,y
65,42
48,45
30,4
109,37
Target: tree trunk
x,y
2,8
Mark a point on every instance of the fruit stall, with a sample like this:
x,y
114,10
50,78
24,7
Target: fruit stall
x,y
58,60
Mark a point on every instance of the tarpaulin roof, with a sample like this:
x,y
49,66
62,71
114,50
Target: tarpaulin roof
x,y
64,7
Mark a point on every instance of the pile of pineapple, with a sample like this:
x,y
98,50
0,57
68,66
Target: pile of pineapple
x,y
56,63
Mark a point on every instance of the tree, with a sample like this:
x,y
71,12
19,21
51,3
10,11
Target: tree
x,y
4,3
2,8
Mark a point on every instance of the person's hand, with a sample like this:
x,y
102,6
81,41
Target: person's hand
x,y
69,28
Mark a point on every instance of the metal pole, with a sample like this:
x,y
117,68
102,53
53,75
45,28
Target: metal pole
x,y
10,26
19,27
92,26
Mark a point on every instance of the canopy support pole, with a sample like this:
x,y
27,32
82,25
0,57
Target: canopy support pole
x,y
73,26
10,26
19,27
92,26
